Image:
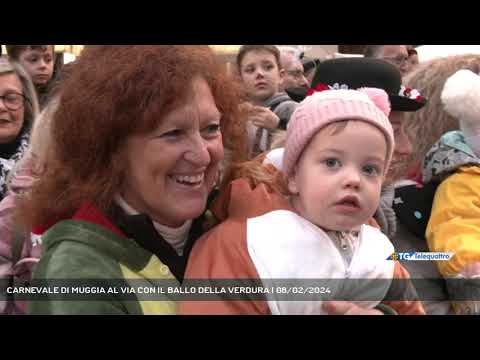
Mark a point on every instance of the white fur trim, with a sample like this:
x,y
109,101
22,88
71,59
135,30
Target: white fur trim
x,y
275,157
461,96
283,245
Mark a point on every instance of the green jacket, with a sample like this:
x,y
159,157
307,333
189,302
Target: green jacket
x,y
90,247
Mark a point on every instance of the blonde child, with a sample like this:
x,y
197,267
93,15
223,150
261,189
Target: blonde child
x,y
338,149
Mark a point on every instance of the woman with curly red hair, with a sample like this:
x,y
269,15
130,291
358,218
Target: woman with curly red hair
x,y
138,143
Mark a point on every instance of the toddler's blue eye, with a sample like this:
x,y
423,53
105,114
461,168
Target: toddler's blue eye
x,y
371,170
332,163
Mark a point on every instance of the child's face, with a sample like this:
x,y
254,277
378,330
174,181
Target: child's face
x,y
338,178
260,75
38,63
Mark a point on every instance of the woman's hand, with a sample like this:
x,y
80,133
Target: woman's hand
x,y
347,308
263,117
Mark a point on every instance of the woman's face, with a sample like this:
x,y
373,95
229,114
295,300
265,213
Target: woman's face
x,y
171,170
11,121
38,63
260,75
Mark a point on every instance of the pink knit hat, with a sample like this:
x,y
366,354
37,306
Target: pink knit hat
x,y
326,107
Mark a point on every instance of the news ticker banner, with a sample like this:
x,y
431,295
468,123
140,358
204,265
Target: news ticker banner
x,y
244,289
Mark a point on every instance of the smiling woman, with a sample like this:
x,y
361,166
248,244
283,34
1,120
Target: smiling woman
x,y
18,108
180,160
139,138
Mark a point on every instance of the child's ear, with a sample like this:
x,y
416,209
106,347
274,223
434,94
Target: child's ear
x,y
282,74
281,77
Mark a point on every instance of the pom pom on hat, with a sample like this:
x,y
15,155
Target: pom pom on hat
x,y
461,99
379,98
461,96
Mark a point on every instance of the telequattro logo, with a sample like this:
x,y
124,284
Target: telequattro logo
x,y
420,256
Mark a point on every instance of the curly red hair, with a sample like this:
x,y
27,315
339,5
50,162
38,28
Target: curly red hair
x,y
112,93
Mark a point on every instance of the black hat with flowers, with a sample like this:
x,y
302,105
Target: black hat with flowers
x,y
354,73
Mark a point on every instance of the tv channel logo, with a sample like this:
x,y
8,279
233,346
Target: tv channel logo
x,y
420,256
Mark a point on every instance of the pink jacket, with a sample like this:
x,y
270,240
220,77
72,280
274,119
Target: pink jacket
x,y
31,249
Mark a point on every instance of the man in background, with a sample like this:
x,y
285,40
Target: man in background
x,y
394,54
291,63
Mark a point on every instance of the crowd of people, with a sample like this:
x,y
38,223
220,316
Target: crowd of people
x,y
163,163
